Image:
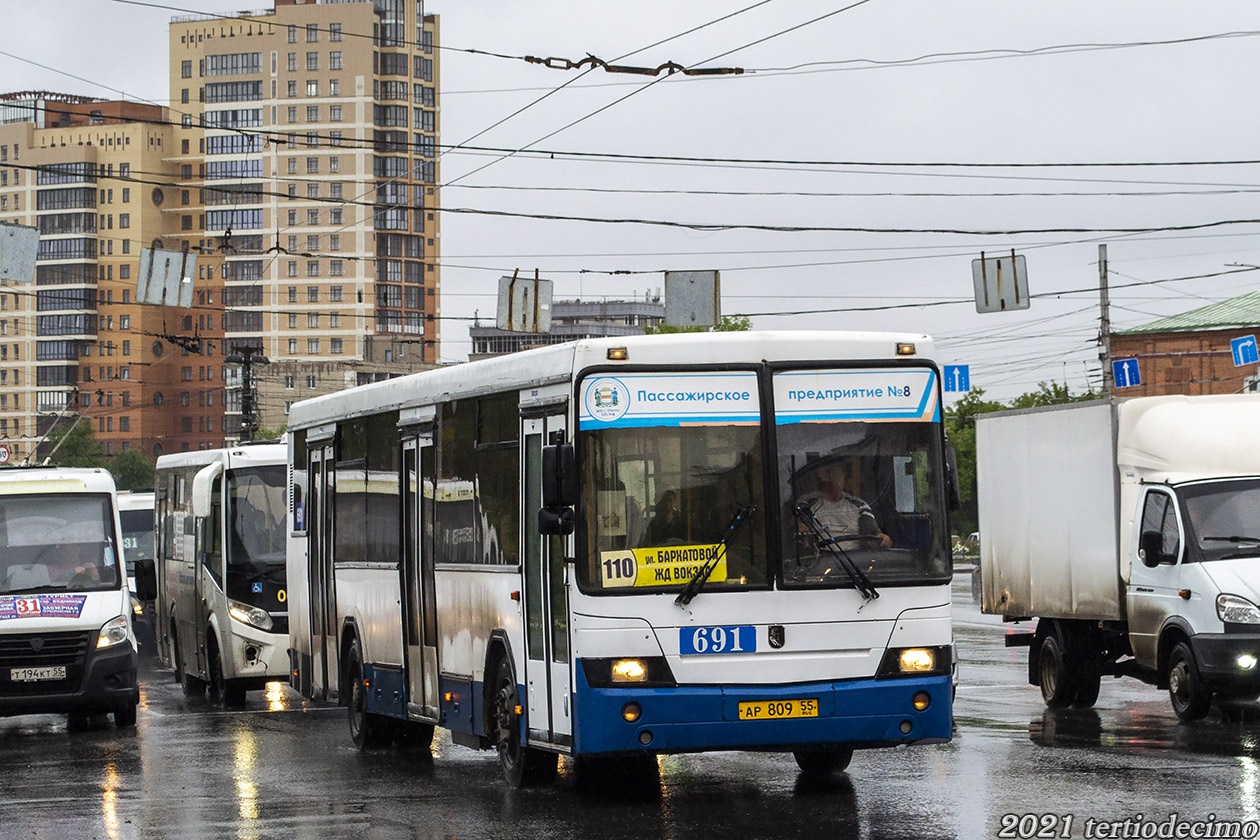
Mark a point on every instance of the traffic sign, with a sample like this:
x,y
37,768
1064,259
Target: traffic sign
x,y
1126,374
1244,351
4,454
957,377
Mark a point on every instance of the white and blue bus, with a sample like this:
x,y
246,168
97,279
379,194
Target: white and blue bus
x,y
615,547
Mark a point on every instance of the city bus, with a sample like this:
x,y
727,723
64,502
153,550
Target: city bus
x,y
135,513
220,608
616,547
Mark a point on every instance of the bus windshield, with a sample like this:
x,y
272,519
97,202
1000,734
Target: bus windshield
x,y
664,486
54,543
137,534
858,477
256,520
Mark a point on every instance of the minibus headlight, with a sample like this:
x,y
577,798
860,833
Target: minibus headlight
x,y
1232,609
113,632
246,614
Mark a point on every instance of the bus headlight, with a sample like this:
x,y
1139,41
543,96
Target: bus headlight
x,y
113,632
628,671
916,660
1232,609
246,614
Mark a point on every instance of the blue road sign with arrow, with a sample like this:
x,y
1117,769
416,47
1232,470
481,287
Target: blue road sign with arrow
x,y
1244,351
1125,373
957,377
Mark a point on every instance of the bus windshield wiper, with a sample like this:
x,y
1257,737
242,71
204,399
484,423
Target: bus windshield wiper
x,y
1232,539
701,576
825,540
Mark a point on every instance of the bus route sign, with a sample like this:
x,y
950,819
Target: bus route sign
x,y
670,565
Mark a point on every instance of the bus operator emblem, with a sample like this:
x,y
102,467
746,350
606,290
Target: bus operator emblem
x,y
607,399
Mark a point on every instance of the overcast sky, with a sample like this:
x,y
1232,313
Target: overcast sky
x,y
827,131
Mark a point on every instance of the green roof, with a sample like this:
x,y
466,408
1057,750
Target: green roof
x,y
1241,311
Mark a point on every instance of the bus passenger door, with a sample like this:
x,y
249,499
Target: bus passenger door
x,y
419,612
547,681
323,617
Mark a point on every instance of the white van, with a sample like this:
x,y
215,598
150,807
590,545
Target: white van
x,y
66,639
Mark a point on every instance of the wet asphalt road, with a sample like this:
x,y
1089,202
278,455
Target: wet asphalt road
x,y
284,768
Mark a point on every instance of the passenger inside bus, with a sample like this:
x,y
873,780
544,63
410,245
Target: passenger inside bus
x,y
667,525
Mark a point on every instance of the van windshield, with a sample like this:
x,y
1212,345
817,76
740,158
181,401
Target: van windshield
x,y
55,543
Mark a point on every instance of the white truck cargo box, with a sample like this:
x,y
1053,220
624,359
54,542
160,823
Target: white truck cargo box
x,y
1047,491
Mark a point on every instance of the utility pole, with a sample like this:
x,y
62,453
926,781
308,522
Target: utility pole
x,y
1104,303
248,355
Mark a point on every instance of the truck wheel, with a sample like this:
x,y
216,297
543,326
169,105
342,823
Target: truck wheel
x,y
1191,699
1059,684
1090,682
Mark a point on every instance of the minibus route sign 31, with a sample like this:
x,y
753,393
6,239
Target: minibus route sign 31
x,y
660,566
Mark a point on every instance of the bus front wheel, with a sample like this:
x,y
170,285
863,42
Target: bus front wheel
x,y
522,766
822,762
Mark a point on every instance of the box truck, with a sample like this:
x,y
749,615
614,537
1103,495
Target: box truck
x,y
66,640
1130,530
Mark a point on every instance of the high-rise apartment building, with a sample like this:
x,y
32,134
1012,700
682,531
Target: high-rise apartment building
x,y
308,140
75,347
297,163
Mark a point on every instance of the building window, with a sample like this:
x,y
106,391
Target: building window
x,y
334,242
292,113
334,60
334,113
312,294
334,320
293,268
312,320
312,217
292,34
334,346
312,33
293,320
293,294
288,382
312,87
335,268
334,32
292,88
185,69
292,166
312,61
292,62
292,346
312,349
336,294
312,268
312,113
334,163
312,166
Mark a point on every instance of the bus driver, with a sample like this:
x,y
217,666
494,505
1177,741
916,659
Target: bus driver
x,y
842,514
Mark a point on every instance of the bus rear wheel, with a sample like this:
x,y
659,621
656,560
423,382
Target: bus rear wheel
x,y
366,729
522,766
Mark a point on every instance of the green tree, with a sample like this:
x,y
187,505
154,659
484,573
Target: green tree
x,y
72,444
729,323
132,470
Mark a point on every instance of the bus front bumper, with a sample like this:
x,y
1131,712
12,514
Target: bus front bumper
x,y
853,714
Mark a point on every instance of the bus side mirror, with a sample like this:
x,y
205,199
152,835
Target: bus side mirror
x,y
555,521
559,476
146,580
202,485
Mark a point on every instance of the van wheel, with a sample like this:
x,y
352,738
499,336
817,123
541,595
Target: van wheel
x,y
366,729
1059,684
522,766
1191,699
125,716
